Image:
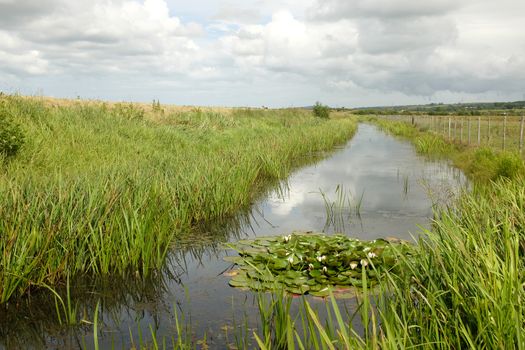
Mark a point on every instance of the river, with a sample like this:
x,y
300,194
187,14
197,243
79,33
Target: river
x,y
374,186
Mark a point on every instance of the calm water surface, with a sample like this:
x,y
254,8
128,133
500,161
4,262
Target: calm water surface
x,y
388,191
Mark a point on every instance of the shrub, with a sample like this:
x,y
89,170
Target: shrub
x,y
128,111
11,136
510,165
485,164
321,111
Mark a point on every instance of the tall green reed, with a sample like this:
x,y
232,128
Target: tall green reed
x,y
102,189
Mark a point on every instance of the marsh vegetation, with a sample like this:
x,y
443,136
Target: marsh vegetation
x,y
100,194
101,189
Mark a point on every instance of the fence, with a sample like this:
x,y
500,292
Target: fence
x,y
504,132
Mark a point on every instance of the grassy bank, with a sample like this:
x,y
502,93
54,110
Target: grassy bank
x,y
481,164
103,189
462,287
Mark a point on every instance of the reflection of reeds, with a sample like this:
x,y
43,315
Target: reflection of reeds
x,y
340,210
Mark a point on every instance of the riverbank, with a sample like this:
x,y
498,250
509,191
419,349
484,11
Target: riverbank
x,y
461,288
100,189
464,289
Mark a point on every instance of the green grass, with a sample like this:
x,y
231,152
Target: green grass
x,y
482,164
464,130
463,287
102,189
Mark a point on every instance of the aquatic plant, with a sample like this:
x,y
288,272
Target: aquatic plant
x,y
104,189
11,136
310,263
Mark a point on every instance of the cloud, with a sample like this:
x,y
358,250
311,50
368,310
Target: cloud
x,y
15,13
265,52
235,14
104,36
339,9
286,44
422,48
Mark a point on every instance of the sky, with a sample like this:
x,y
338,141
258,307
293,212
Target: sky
x,y
265,53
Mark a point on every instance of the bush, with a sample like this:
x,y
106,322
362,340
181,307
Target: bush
x,y
129,111
510,165
11,136
485,164
321,111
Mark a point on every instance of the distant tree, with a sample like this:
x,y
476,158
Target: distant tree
x,y
321,111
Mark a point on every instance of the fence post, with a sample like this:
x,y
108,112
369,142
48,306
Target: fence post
x,y
449,127
521,133
455,128
461,131
444,126
468,124
504,131
479,131
488,132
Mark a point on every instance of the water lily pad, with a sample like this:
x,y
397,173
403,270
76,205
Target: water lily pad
x,y
307,263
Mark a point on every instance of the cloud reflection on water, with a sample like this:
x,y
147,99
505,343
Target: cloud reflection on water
x,y
380,168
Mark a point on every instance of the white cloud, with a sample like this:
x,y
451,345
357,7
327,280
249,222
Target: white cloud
x,y
114,36
338,9
286,44
269,52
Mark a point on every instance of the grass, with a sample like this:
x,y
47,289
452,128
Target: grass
x,y
463,288
103,189
94,183
465,129
482,164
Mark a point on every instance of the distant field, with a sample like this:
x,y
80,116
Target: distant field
x,y
494,131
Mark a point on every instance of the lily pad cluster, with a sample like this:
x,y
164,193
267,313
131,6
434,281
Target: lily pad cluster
x,y
308,263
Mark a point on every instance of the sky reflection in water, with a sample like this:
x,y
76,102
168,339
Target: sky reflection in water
x,y
394,184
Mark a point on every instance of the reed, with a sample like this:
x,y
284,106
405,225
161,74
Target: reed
x,y
101,189
462,288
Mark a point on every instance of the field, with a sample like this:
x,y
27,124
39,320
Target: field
x,y
495,131
103,189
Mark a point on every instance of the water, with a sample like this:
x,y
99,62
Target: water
x,y
388,191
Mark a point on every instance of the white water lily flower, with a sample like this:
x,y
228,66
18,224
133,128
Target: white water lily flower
x,y
310,267
325,269
353,265
364,263
287,238
365,249
372,255
290,259
321,258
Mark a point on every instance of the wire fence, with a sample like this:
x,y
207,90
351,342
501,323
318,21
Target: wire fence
x,y
503,132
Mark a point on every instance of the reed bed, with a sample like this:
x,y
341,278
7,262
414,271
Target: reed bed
x,y
102,189
464,288
503,132
461,288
